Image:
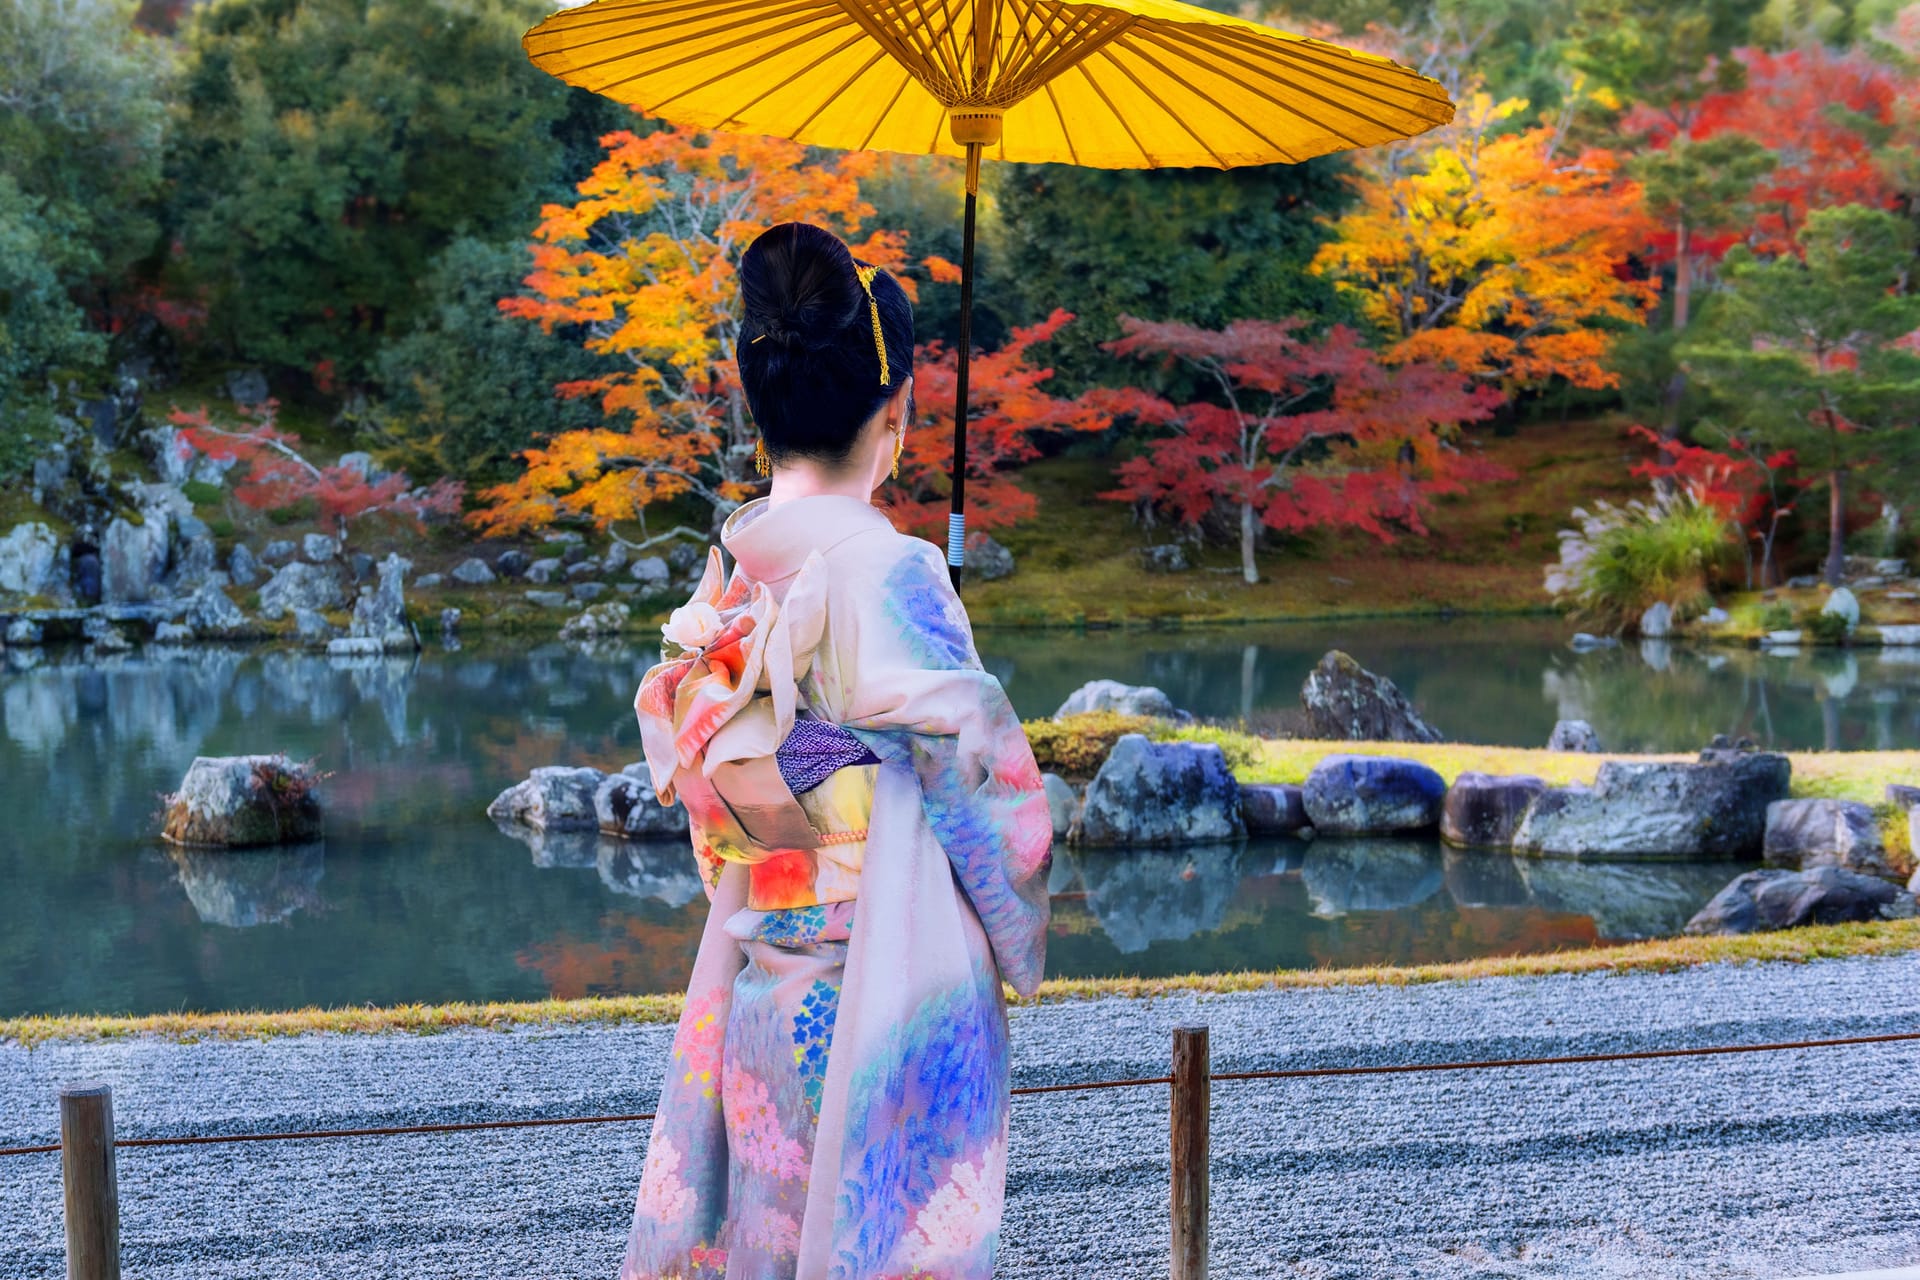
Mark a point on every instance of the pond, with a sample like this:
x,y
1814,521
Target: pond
x,y
416,896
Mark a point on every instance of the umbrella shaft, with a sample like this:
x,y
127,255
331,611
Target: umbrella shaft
x,y
957,521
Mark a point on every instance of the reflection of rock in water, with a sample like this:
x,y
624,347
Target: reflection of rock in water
x,y
1370,875
1144,896
649,869
1485,880
556,848
1626,900
241,888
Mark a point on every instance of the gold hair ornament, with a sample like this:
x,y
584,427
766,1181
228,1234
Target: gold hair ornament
x,y
761,463
866,275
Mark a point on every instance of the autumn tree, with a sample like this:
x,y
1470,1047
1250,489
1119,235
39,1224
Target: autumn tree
x,y
1299,432
1504,256
1813,352
646,262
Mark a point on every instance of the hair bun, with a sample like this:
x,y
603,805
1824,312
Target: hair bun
x,y
798,287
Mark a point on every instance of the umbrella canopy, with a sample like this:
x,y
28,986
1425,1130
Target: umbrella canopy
x,y
1121,84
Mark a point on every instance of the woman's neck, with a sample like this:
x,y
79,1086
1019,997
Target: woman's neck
x,y
802,479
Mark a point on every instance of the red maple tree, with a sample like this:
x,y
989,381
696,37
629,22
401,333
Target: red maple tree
x,y
1302,433
1742,482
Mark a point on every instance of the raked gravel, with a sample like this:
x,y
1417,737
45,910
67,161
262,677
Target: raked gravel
x,y
1777,1164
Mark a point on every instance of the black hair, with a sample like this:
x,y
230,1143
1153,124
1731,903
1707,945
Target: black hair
x,y
807,356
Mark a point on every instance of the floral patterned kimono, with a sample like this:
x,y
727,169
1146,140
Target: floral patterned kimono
x,y
870,826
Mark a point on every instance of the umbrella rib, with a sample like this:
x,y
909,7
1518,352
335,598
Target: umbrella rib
x,y
1086,73
1092,42
1304,92
1159,102
1290,53
675,37
906,78
1162,39
827,101
834,52
1073,153
632,26
1225,110
1386,75
718,76
903,53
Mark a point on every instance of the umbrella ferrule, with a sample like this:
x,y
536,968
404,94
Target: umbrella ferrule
x,y
974,128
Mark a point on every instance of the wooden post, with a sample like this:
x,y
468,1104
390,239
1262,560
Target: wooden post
x,y
1192,1103
93,1196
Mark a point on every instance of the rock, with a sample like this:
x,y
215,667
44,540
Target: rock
x,y
103,635
300,586
651,572
1903,797
543,571
616,557
1842,604
1167,557
1346,702
1573,735
601,620
1802,834
172,633
361,564
1890,568
624,805
549,599
1803,582
1063,803
211,612
583,568
380,614
1370,875
1273,809
312,628
244,800
1716,617
247,386
1901,637
1372,795
587,590
682,556
133,557
574,554
1161,793
1482,811
277,551
553,798
428,580
511,564
987,560
194,554
1780,640
449,622
1775,899
28,554
361,464
1657,622
355,647
319,548
242,568
473,571
1583,642
1125,699
1714,809
23,633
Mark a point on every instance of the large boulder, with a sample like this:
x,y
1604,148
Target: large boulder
x,y
1657,622
300,585
380,613
243,567
1126,699
1274,809
319,547
28,555
1844,605
133,556
1160,793
210,612
473,571
1573,735
651,572
235,801
1482,811
1372,795
1063,803
1714,809
1772,898
553,798
1802,834
624,804
1347,703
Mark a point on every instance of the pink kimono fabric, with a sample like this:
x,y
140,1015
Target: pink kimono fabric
x,y
836,1101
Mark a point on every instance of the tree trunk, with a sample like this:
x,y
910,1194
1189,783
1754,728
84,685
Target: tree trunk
x,y
1248,530
1682,308
1836,526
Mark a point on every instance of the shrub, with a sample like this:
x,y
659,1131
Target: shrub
x,y
1076,746
1777,616
1824,628
1621,560
202,494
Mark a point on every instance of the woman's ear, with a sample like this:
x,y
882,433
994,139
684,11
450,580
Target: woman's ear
x,y
900,404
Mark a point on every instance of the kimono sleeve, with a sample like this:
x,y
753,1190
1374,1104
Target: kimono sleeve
x,y
913,681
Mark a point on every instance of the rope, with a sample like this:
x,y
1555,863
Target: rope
x,y
1298,1073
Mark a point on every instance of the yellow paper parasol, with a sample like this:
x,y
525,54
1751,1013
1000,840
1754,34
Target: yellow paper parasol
x,y
1123,84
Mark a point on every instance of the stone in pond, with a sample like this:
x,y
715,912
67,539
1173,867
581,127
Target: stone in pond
x,y
172,633
1345,702
1161,793
1585,642
1372,795
235,801
23,633
1842,604
1772,898
625,805
1482,811
1657,622
211,612
1274,809
1714,809
313,628
1124,699
1802,834
380,613
553,798
1063,803
1573,735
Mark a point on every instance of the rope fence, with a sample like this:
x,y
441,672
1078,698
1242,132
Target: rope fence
x,y
89,1177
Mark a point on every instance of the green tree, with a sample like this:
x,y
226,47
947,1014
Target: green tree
x,y
1191,246
41,327
1808,352
330,148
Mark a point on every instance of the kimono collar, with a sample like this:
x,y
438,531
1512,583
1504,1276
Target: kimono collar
x,y
772,543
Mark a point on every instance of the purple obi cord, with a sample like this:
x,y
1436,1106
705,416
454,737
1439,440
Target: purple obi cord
x,y
814,750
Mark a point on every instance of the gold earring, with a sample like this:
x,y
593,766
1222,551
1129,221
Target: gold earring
x,y
899,446
761,462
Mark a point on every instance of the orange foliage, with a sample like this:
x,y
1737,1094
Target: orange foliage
x,y
1502,257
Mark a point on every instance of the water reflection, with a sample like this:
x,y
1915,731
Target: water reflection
x,y
241,888
1370,875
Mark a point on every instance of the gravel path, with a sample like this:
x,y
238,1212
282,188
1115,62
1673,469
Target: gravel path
x,y
1776,1164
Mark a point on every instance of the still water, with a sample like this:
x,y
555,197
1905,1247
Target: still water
x,y
416,896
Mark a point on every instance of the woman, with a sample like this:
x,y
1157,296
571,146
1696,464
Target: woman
x,y
869,824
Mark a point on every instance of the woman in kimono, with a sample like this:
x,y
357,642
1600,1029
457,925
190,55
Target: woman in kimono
x,y
870,827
